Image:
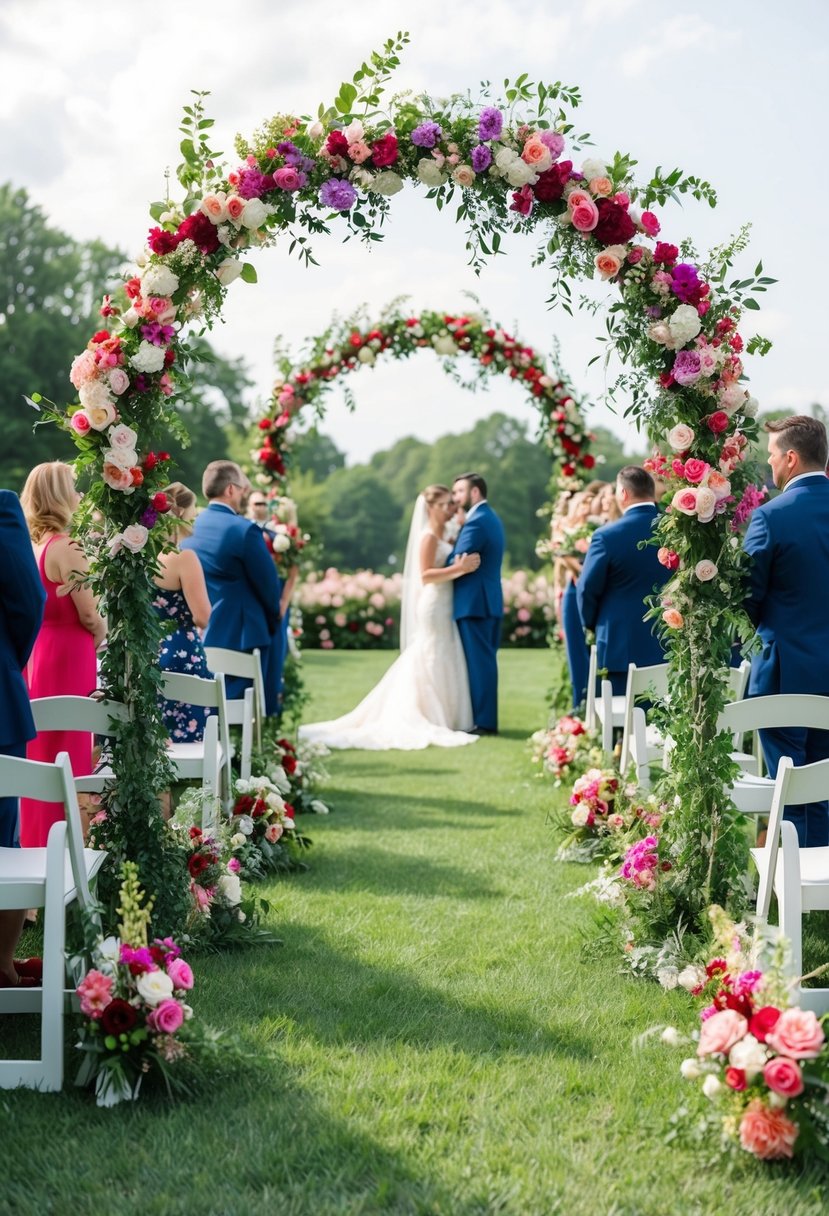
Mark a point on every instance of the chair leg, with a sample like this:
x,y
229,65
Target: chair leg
x,y
54,963
789,897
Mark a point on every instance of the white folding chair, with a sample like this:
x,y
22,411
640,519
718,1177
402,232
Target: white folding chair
x,y
799,877
207,761
50,878
82,714
605,709
753,794
248,667
638,747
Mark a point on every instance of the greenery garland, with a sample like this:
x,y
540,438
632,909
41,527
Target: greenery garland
x,y
671,319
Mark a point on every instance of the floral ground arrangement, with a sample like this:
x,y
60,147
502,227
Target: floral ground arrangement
x,y
424,1039
362,611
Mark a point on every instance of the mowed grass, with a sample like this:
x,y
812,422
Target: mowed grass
x,y
435,1036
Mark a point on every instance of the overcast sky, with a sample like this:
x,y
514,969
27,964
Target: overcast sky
x,y
738,93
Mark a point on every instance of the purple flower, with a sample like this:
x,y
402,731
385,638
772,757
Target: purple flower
x,y
481,158
157,333
338,194
752,497
687,367
148,517
490,123
653,311
251,184
685,281
426,135
553,141
141,383
289,151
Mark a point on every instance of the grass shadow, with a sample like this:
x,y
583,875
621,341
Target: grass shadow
x,y
383,871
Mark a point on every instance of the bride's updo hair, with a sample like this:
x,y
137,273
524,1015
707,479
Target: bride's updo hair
x,y
432,493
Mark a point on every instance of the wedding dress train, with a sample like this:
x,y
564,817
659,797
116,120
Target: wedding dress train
x,y
423,699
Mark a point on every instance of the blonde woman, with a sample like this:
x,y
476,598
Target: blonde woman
x,y
62,662
182,602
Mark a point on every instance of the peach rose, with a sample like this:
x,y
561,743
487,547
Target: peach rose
x,y
705,571
134,537
719,484
585,217
609,261
685,501
235,206
464,175
537,154
798,1034
673,619
214,206
602,186
767,1133
706,502
272,832
784,1077
576,198
117,478
680,437
720,1032
101,416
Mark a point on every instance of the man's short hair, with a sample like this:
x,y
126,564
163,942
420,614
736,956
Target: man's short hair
x,y
220,474
803,435
474,479
637,481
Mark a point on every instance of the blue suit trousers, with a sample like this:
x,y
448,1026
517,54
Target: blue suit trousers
x,y
9,806
480,636
578,656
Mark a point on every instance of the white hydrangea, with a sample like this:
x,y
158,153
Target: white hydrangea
x,y
148,358
429,172
158,280
684,324
593,167
95,394
519,173
444,344
388,182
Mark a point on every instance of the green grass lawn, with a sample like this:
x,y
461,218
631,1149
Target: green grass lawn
x,y
433,1037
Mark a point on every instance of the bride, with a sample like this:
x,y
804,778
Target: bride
x,y
423,698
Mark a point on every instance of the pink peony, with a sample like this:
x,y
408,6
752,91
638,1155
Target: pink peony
x,y
798,1034
180,973
784,1077
720,1032
84,368
166,1018
95,992
767,1133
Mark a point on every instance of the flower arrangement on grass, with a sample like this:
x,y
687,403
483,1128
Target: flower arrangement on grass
x,y
565,748
304,769
134,1005
264,838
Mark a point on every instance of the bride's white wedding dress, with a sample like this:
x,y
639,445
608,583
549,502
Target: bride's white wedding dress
x,y
423,699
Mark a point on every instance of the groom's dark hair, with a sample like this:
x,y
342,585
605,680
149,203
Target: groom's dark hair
x,y
475,480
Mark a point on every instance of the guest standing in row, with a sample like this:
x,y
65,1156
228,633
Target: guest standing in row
x,y
63,660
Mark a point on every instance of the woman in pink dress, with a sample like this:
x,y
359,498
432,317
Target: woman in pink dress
x,y
63,660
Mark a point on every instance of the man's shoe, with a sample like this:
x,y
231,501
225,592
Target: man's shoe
x,y
482,730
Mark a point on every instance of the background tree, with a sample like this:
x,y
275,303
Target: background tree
x,y
363,520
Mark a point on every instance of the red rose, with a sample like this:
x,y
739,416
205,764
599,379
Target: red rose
x,y
243,805
384,150
286,745
550,185
763,1021
197,864
259,807
568,469
169,356
149,462
160,502
615,226
289,764
588,461
161,241
200,230
289,810
736,1078
742,1003
195,832
665,254
717,422
265,424
163,455
137,476
133,288
336,144
118,1017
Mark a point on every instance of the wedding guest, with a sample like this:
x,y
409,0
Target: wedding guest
x,y
618,576
22,599
788,539
258,512
182,600
566,533
63,661
242,584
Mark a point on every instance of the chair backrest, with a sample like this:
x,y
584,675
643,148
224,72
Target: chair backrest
x,y
738,680
50,783
776,712
78,713
210,694
248,666
641,680
808,783
590,707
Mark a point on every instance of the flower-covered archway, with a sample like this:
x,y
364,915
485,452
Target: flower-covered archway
x,y
350,345
509,163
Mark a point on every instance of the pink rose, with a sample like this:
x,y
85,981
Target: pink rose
x,y
668,558
784,1077
695,470
134,537
650,223
235,206
767,1133
119,381
577,197
585,217
359,151
705,570
83,368
273,832
797,1033
122,438
680,439
287,178
685,501
79,422
180,973
95,992
720,1032
166,1018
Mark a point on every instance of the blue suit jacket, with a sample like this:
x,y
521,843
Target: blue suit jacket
x,y
479,594
241,578
22,599
611,590
788,597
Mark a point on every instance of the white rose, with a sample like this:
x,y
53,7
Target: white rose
x,y
94,394
705,571
690,1069
593,167
254,214
122,436
388,182
315,131
361,177
520,173
237,840
711,1086
245,825
148,358
690,977
281,542
131,318
732,399
579,816
366,355
134,537
680,437
231,888
749,1055
670,1036
124,458
154,987
504,157
751,407
706,502
281,779
228,270
275,802
102,416
429,172
158,281
444,344
107,955
684,324
319,808
354,131
187,1010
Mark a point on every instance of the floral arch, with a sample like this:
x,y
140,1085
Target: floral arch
x,y
672,319
355,343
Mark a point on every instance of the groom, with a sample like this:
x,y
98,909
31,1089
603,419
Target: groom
x,y
478,600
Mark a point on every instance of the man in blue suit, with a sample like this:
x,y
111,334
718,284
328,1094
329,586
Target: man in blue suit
x,y
788,539
618,576
242,582
478,598
21,612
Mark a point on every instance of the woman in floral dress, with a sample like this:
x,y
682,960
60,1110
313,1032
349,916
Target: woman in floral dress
x,y
182,601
